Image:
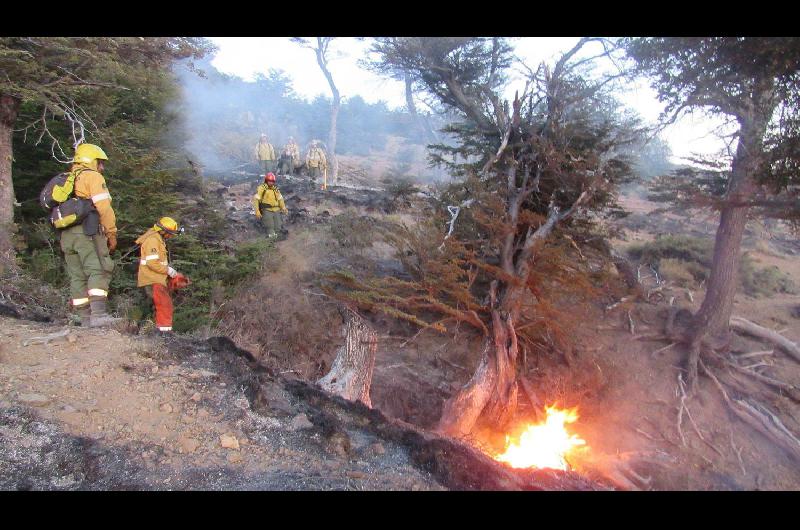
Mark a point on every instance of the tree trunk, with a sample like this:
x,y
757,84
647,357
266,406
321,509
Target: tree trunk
x,y
9,106
712,320
332,140
335,104
351,373
491,393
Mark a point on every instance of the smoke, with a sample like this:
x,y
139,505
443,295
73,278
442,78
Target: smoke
x,y
223,117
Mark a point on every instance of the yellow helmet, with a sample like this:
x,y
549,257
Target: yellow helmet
x,y
168,225
87,154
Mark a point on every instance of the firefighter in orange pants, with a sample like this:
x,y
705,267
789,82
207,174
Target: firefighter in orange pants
x,y
154,269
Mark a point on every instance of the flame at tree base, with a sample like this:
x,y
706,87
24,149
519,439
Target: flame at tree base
x,y
545,445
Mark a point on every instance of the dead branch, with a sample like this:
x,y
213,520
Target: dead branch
x,y
621,301
646,435
529,392
656,336
665,348
631,326
751,328
681,408
575,246
454,365
738,453
684,407
755,354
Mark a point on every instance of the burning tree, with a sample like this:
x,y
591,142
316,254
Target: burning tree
x,y
528,171
755,83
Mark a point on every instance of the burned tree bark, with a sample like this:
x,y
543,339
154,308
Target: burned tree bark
x,y
351,373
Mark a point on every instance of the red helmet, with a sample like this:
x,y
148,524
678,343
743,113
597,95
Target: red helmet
x,y
269,177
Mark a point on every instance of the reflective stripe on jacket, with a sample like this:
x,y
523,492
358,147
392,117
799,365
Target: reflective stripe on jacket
x,y
270,197
89,184
153,259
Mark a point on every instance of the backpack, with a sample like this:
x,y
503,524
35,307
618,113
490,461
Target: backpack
x,y
65,211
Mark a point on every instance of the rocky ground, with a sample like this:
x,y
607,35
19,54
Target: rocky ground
x,y
99,410
91,409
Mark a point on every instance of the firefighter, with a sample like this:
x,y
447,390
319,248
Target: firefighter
x,y
268,204
265,154
290,157
154,269
88,246
316,162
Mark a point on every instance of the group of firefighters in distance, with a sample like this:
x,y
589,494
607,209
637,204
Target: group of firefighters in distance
x,y
268,202
289,162
87,249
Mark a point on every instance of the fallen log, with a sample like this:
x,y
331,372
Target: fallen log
x,y
453,463
745,326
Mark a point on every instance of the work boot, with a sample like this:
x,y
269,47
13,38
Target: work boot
x,y
100,317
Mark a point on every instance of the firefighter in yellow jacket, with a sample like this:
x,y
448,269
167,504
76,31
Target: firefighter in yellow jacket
x,y
154,270
265,154
87,246
316,162
268,204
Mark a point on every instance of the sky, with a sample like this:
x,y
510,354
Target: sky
x,y
247,56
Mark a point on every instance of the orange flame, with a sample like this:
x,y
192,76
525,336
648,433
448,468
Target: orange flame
x,y
545,445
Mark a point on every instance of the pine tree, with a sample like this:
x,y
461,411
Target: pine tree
x,y
756,83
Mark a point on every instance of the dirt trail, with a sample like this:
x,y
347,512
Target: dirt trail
x,y
130,412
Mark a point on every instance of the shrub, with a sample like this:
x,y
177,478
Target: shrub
x,y
685,248
353,231
681,273
764,282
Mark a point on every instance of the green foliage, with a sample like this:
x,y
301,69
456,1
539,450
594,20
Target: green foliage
x,y
756,81
400,190
148,177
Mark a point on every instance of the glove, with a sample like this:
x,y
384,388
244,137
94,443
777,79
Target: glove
x,y
285,211
112,242
258,215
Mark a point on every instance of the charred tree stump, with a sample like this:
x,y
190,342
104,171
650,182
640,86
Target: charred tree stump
x,y
351,373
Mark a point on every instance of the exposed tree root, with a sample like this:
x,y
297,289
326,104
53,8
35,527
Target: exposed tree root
x,y
760,418
745,326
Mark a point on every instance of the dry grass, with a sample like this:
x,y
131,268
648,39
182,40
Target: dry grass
x,y
280,316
